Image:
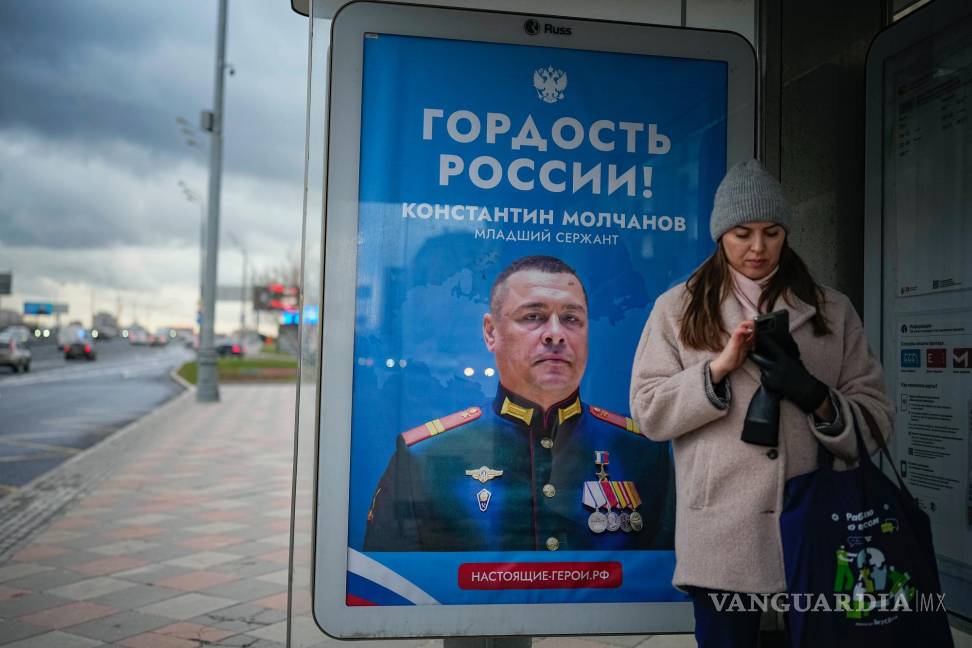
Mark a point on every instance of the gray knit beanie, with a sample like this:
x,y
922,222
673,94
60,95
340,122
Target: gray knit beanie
x,y
748,194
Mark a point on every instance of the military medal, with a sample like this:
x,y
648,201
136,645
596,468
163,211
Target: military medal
x,y
594,498
613,521
624,503
601,459
483,498
625,520
637,521
619,493
597,522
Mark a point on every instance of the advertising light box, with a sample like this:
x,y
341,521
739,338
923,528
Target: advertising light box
x,y
506,197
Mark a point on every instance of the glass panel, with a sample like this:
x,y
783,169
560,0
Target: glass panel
x,y
300,585
901,8
732,15
927,215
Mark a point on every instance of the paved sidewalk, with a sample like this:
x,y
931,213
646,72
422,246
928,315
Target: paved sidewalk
x,y
184,541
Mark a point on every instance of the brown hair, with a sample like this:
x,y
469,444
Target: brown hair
x,y
702,326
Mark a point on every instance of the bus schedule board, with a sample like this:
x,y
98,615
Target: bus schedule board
x,y
918,275
507,195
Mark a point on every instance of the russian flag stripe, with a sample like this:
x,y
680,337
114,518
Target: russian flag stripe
x,y
369,569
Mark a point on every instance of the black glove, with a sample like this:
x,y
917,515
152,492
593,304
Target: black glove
x,y
786,375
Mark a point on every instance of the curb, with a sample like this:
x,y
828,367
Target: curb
x,y
174,375
26,512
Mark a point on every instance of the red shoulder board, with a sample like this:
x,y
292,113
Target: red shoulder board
x,y
439,425
623,422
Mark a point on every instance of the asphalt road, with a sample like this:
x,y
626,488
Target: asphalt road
x,y
63,406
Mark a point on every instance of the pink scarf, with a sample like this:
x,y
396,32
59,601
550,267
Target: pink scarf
x,y
747,291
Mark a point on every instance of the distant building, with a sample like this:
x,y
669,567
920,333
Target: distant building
x,y
9,317
105,324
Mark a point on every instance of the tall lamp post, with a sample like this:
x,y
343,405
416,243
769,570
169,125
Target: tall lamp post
x,y
191,136
207,384
237,243
189,133
192,196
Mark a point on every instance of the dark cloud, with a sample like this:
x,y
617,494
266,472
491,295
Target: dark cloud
x,y
90,152
57,197
90,71
98,72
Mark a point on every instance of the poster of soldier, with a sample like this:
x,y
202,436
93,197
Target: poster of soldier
x,y
501,215
520,209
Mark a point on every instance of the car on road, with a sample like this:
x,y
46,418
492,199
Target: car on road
x,y
13,354
138,337
18,332
227,346
105,332
78,343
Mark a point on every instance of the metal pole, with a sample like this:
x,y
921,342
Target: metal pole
x,y
207,387
202,255
243,299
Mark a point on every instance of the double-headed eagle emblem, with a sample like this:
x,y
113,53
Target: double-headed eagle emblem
x,y
550,84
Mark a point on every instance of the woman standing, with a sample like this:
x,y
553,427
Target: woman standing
x,y
693,380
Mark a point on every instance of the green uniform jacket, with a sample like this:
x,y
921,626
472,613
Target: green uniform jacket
x,y
443,489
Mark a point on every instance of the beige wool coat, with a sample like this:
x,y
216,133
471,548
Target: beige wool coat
x,y
730,493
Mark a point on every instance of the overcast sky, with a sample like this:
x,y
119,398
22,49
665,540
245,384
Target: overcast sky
x,y
91,154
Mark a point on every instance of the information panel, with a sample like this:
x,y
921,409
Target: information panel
x,y
924,69
517,208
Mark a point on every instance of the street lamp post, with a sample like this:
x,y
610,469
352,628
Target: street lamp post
x,y
207,384
192,196
191,136
237,243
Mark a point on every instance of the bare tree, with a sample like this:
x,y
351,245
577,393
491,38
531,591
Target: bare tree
x,y
286,272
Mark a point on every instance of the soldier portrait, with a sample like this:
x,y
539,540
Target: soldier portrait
x,y
537,468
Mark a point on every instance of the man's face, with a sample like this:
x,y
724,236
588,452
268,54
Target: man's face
x,y
539,335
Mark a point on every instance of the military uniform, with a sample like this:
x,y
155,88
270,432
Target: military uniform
x,y
510,476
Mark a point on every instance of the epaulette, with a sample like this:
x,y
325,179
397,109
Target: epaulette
x,y
623,422
440,425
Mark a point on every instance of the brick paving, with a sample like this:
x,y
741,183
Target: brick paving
x,y
176,536
177,544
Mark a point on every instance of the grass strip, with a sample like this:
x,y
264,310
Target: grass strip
x,y
281,369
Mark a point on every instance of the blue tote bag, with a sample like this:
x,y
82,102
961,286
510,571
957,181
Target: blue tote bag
x,y
860,565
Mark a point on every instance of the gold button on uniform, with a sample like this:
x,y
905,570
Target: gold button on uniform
x,y
546,442
549,490
553,544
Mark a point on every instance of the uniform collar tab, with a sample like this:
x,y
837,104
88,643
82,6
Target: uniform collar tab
x,y
515,408
569,411
512,410
519,410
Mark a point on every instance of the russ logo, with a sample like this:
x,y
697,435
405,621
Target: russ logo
x,y
534,27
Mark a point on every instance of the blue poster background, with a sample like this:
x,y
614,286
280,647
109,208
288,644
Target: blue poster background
x,y
423,284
